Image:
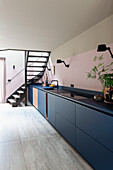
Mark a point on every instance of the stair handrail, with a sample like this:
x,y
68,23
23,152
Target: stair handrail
x,y
16,75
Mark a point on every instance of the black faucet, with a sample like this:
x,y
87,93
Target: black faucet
x,y
56,81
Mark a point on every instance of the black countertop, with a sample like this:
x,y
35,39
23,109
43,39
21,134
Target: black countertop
x,y
84,99
81,98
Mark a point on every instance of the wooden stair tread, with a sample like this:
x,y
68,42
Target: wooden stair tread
x,y
34,71
16,96
37,62
20,91
12,101
38,56
37,66
23,87
31,75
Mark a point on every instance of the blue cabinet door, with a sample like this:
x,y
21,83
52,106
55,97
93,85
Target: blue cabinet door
x,y
66,108
96,124
42,102
96,154
51,109
30,94
66,128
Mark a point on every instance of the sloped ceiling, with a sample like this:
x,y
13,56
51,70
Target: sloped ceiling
x,y
47,24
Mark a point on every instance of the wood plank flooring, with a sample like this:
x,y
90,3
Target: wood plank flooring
x,y
29,142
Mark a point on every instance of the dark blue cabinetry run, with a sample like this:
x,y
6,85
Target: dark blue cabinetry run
x,y
51,109
95,124
42,102
86,129
97,155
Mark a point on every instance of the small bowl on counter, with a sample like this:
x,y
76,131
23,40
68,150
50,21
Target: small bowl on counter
x,y
99,98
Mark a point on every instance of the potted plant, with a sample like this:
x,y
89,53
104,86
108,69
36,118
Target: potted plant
x,y
103,72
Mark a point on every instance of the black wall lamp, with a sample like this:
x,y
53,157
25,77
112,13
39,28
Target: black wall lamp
x,y
49,69
61,61
102,47
13,67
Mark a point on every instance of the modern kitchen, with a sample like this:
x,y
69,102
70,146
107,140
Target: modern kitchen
x,y
83,117
56,85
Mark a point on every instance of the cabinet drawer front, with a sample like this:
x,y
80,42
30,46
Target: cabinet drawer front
x,y
98,156
66,128
95,124
51,109
66,108
42,102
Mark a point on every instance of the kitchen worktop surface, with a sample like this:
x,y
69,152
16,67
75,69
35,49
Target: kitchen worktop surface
x,y
81,98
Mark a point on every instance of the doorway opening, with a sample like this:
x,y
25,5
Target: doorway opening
x,y
2,80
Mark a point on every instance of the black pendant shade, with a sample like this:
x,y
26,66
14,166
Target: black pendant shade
x,y
61,61
102,47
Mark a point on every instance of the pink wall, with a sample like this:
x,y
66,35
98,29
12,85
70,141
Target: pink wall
x,y
77,72
10,72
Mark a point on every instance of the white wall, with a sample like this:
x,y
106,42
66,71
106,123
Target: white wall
x,y
13,58
88,40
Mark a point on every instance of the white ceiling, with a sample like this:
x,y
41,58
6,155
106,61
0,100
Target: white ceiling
x,y
47,24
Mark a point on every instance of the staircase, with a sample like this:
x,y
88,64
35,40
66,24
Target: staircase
x,y
35,66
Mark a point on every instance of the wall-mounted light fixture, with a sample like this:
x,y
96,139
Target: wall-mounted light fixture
x,y
61,61
14,67
48,69
102,47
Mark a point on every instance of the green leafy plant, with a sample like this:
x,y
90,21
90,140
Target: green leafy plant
x,y
101,71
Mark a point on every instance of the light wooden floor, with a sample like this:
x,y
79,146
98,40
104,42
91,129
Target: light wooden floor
x,y
29,142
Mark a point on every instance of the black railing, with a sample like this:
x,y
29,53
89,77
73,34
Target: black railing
x,y
15,76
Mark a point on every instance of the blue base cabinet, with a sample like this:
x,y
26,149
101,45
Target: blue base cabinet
x,y
95,124
65,118
66,128
66,108
30,94
42,102
97,155
61,114
51,109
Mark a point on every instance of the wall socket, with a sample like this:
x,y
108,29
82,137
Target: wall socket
x,y
71,85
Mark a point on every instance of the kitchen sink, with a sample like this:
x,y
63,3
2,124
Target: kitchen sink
x,y
48,88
